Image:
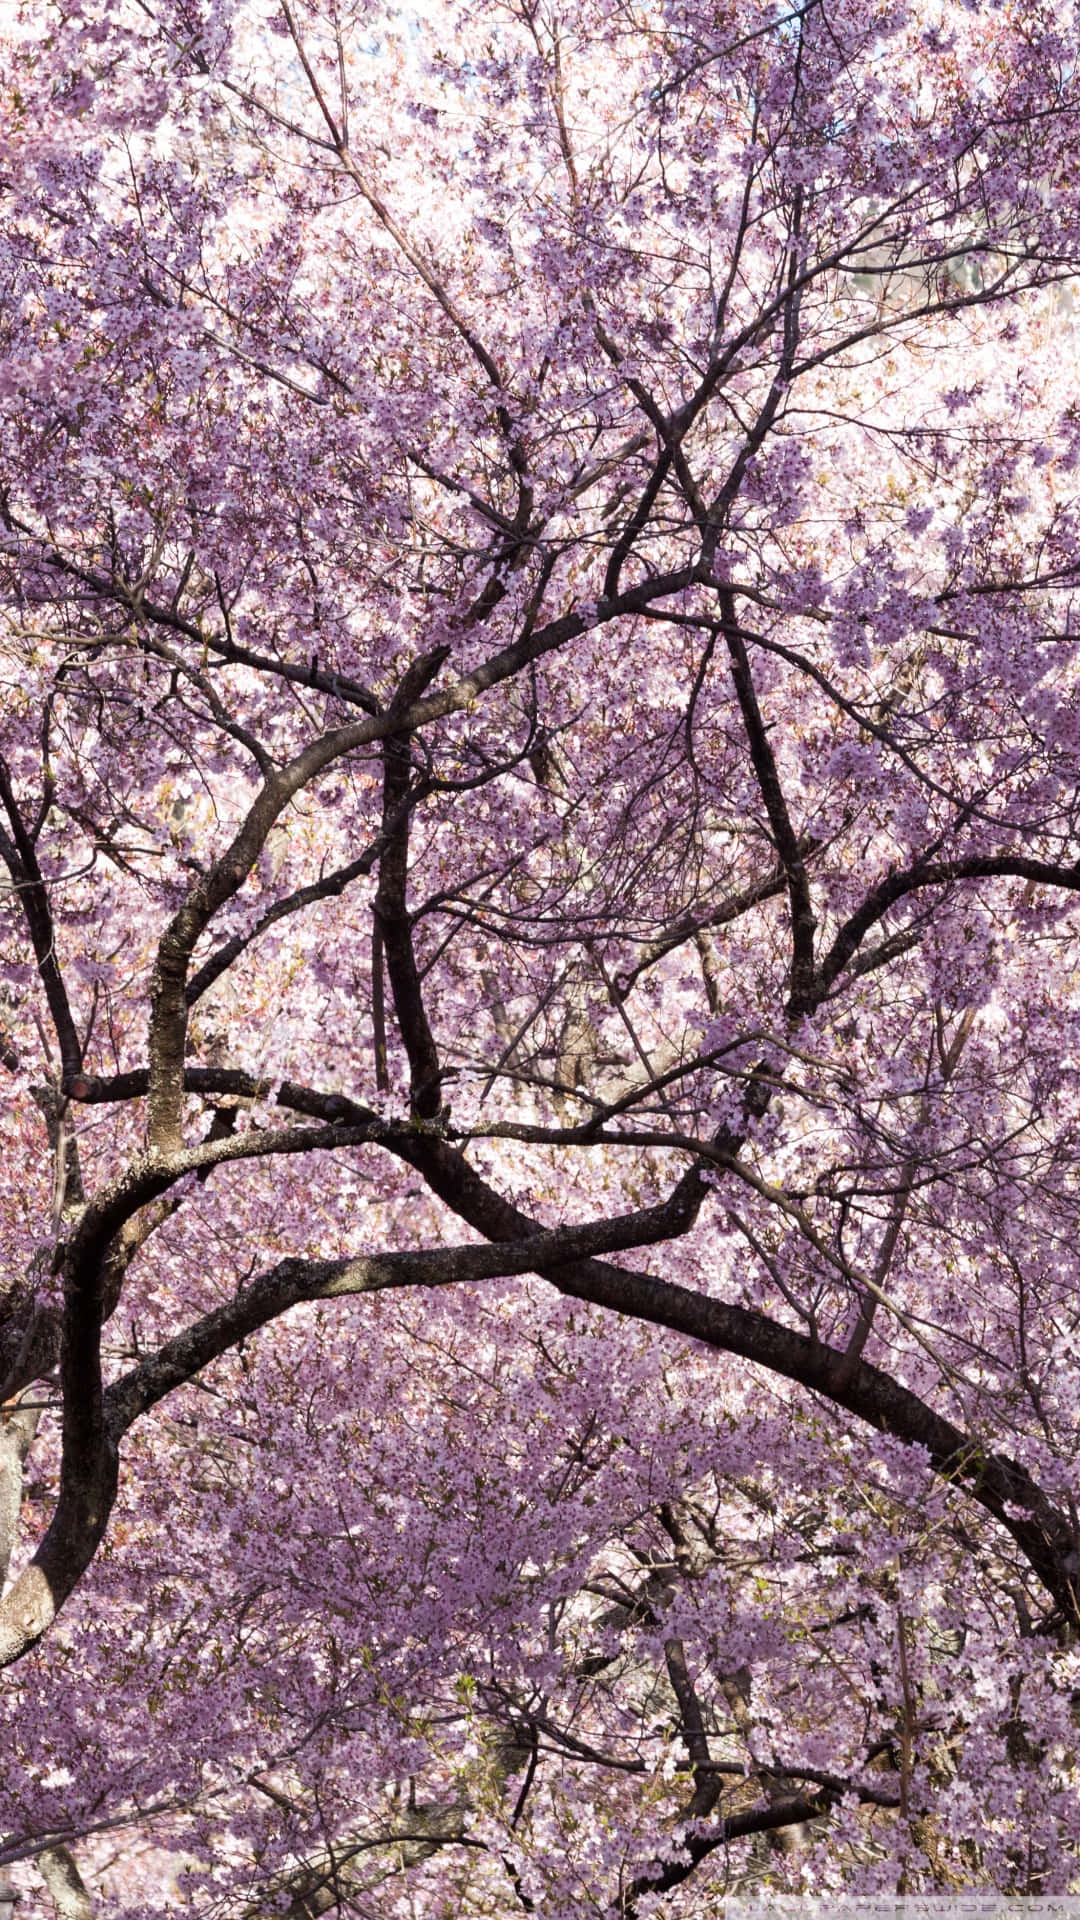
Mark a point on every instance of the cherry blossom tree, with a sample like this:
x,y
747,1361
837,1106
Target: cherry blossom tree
x,y
540,830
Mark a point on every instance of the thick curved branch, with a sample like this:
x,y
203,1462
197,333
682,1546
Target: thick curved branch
x,y
998,1484
293,1281
933,873
393,925
792,1810
168,992
788,843
89,1461
1002,1487
94,1423
20,857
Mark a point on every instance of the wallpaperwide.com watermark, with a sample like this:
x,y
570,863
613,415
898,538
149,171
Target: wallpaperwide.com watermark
x,y
908,1906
